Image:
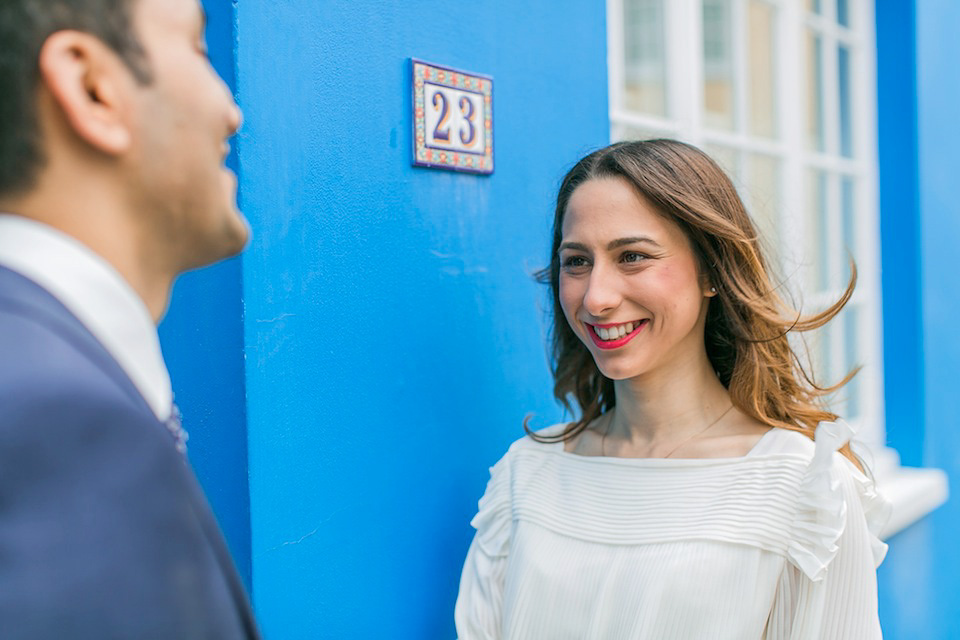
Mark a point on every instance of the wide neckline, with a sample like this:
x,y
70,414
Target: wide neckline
x,y
752,454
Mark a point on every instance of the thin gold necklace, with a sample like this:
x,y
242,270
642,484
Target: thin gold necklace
x,y
603,439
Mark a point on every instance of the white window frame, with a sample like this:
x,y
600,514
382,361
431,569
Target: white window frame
x,y
913,492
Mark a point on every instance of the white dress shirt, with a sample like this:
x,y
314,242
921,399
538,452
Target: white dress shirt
x,y
97,295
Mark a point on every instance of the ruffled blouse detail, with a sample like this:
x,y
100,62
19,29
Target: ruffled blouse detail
x,y
821,508
493,519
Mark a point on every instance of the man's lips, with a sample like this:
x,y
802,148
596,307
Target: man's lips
x,y
608,336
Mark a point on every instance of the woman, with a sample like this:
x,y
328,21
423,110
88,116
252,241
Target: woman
x,y
696,497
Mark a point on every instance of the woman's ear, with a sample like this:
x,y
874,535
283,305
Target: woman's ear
x,y
705,276
88,82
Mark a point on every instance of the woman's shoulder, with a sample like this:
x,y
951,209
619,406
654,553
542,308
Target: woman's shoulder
x,y
783,441
822,451
545,439
495,512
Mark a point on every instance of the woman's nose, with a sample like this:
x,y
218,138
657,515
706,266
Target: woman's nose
x,y
602,294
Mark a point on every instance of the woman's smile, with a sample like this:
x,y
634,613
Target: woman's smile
x,y
614,336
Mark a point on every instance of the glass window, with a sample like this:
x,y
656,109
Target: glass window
x,y
843,13
814,101
851,339
762,190
818,229
718,73
645,57
843,93
762,64
849,213
727,157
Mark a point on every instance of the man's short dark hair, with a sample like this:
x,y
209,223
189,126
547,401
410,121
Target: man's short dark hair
x,y
24,27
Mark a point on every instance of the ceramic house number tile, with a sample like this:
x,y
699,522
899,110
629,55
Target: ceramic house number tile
x,y
452,119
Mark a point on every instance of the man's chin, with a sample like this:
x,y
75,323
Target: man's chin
x,y
238,238
242,234
233,238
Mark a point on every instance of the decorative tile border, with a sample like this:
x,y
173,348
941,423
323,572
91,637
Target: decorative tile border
x,y
431,148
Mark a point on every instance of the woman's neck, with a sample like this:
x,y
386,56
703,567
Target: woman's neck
x,y
667,406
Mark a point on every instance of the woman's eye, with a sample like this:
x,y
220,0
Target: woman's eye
x,y
572,262
633,257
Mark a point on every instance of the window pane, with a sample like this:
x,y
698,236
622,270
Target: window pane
x,y
817,223
846,128
821,350
763,197
851,334
718,87
761,59
815,138
728,159
626,132
849,223
843,13
645,59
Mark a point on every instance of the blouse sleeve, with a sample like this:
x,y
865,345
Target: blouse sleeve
x,y
829,590
478,612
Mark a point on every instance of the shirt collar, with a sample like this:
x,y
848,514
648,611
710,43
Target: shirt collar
x,y
97,295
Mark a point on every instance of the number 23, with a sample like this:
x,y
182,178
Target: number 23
x,y
441,132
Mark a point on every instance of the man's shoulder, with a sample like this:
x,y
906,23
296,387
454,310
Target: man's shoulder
x,y
35,352
49,387
33,323
45,349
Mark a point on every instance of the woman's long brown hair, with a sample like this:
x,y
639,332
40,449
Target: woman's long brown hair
x,y
748,321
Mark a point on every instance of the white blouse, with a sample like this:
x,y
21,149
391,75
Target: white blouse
x,y
779,544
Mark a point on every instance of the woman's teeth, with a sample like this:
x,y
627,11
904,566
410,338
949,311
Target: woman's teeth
x,y
616,332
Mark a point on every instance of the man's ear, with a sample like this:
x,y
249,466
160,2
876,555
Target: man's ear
x,y
89,82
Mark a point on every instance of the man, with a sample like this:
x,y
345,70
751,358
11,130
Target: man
x,y
113,130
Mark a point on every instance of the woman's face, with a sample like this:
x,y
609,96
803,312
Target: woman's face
x,y
629,285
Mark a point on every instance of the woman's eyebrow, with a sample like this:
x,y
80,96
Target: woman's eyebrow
x,y
576,246
613,244
622,242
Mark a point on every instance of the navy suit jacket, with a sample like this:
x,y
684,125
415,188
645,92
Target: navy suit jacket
x,y
104,530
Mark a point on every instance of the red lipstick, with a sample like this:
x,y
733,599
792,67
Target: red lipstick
x,y
619,342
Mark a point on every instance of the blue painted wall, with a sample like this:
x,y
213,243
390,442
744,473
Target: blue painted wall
x,y
202,340
393,336
938,95
919,98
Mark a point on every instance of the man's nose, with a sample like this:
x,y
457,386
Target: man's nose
x,y
236,115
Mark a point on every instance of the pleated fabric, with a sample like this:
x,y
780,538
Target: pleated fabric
x,y
779,545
